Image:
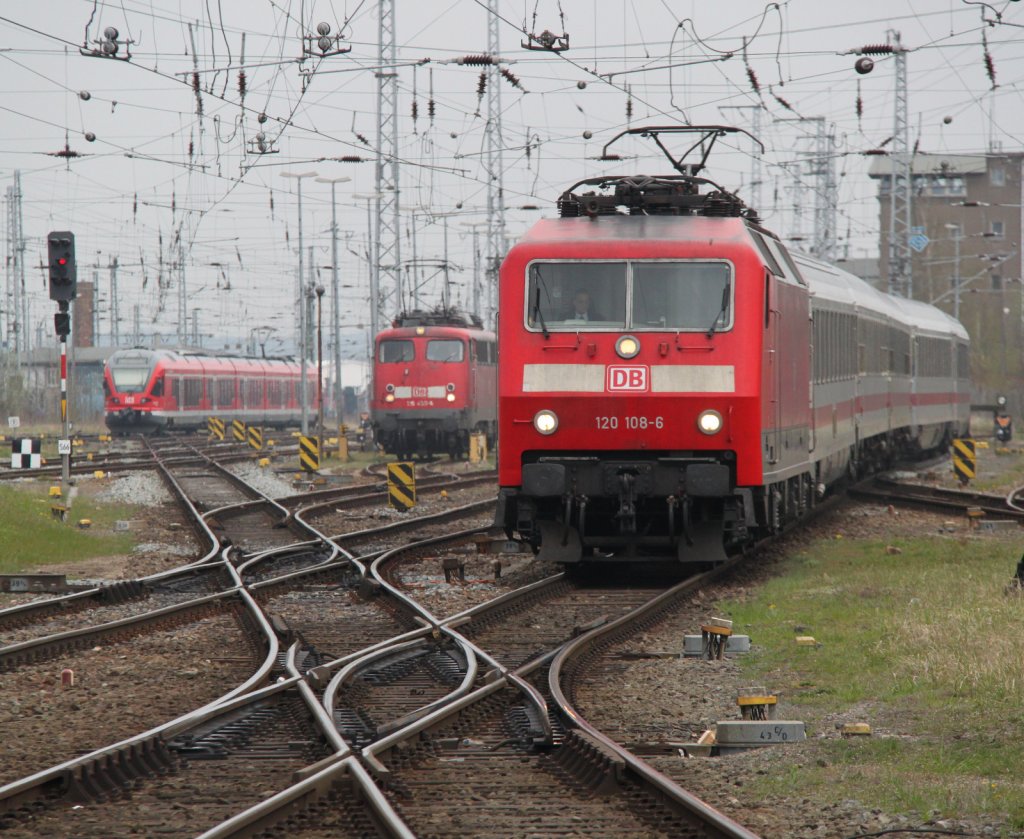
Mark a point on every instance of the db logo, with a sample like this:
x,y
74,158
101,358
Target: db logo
x,y
627,378
419,392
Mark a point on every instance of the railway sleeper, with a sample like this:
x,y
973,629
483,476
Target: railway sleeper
x,y
111,775
597,767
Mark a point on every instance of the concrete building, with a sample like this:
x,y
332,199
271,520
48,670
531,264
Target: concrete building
x,y
966,235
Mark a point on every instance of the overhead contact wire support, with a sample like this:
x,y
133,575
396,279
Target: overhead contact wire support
x,y
386,269
495,166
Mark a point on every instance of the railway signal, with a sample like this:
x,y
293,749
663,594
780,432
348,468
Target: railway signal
x,y
63,272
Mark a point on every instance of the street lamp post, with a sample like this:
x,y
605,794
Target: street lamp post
x,y
319,368
339,395
304,399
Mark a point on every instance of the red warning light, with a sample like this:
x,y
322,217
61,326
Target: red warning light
x,y
62,261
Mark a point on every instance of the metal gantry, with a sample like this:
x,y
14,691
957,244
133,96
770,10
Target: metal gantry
x,y
16,333
386,269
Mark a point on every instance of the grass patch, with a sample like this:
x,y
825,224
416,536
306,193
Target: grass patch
x,y
926,646
31,536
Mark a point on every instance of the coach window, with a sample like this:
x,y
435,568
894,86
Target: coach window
x,y
446,350
393,351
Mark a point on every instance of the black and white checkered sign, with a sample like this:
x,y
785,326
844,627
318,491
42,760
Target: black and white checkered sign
x,y
26,453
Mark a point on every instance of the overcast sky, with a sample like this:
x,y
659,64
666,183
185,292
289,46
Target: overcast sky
x,y
158,167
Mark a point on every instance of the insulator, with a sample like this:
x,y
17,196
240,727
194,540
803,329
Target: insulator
x,y
990,69
260,137
110,47
476,60
415,110
581,85
362,139
110,33
431,109
191,149
876,49
511,78
324,43
946,120
262,118
323,28
352,158
885,142
481,84
864,65
752,76
84,95
195,82
241,83
90,137
783,102
629,108
860,107
588,134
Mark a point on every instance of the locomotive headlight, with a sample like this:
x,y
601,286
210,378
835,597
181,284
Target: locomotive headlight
x,y
627,346
546,422
450,397
710,422
389,388
390,397
450,387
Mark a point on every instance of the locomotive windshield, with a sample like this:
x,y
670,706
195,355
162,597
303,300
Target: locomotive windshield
x,y
394,351
445,349
677,295
130,379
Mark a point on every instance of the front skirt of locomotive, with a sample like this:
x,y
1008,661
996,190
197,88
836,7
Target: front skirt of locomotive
x,y
422,432
649,506
130,421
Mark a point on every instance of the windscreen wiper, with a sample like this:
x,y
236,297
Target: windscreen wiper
x,y
538,314
721,310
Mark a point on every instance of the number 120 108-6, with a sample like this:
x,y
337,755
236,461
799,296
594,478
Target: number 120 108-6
x,y
630,423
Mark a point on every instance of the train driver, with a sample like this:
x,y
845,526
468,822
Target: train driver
x,y
581,308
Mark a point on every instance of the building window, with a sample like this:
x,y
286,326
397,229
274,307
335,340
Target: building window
x,y
997,176
997,229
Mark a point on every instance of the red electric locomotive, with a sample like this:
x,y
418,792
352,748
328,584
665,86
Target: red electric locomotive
x,y
151,390
673,382
434,384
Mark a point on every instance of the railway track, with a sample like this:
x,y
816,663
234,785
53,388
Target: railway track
x,y
923,497
356,688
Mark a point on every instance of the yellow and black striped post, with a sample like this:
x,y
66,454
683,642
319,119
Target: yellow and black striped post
x,y
238,430
964,460
215,426
309,453
255,437
402,485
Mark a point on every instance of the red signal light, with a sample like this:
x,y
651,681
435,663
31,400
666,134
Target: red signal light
x,y
62,261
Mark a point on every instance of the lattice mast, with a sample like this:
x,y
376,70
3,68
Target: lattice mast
x,y
386,271
826,203
900,274
493,144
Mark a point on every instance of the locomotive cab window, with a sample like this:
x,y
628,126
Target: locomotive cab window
x,y
130,379
446,350
394,351
656,295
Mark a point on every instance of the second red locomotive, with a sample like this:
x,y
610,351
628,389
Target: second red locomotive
x,y
434,384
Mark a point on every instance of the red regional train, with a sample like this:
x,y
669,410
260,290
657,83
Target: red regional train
x,y
151,390
717,386
434,384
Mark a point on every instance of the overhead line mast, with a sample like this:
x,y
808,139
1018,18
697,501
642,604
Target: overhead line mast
x,y
901,280
386,270
493,143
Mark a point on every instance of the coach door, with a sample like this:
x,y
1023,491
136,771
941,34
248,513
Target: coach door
x,y
773,369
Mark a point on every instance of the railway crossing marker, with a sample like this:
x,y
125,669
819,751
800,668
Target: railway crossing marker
x,y
215,426
309,453
964,459
402,485
238,430
255,436
26,453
